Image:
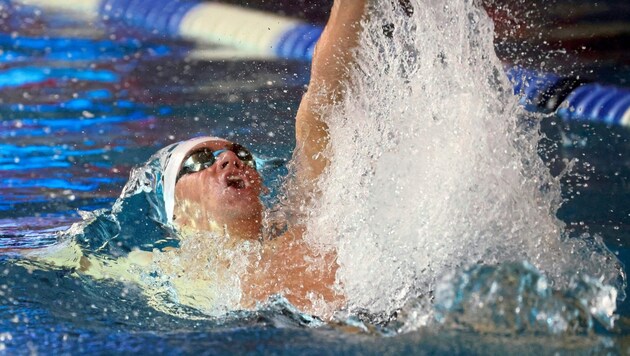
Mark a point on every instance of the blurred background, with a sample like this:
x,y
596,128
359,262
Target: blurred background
x,y
86,98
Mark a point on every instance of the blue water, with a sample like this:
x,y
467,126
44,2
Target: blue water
x,y
79,111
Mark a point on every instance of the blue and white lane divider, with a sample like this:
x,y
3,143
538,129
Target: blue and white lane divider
x,y
269,35
201,22
598,103
572,99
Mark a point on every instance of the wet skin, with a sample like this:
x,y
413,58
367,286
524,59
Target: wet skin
x,y
215,200
224,196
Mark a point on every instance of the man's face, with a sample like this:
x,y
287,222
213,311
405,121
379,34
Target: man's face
x,y
227,192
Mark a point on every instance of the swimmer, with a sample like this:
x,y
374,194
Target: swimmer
x,y
211,185
216,187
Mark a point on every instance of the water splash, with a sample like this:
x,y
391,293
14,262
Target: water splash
x,y
514,298
435,167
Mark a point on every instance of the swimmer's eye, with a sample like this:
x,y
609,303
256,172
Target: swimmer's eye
x,y
205,157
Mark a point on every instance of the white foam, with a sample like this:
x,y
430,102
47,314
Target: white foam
x,y
432,168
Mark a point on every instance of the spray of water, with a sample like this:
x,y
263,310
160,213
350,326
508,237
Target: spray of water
x,y
435,198
434,167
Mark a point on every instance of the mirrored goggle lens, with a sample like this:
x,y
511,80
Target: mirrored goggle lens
x,y
244,155
198,161
204,158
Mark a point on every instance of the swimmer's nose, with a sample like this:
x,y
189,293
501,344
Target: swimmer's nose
x,y
227,159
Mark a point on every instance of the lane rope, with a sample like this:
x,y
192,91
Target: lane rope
x,y
269,35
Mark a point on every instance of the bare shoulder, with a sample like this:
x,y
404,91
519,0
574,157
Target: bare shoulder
x,y
289,266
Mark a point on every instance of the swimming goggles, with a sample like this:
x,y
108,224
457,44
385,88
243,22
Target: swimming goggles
x,y
203,158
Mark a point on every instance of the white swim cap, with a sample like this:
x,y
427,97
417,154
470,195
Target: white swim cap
x,y
171,162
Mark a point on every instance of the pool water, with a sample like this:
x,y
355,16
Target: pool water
x,y
79,109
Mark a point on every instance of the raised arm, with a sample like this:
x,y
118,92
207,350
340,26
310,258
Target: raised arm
x,y
329,72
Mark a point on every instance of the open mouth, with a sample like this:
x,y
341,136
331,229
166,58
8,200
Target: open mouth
x,y
236,182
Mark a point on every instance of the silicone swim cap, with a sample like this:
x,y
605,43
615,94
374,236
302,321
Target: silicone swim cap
x,y
171,162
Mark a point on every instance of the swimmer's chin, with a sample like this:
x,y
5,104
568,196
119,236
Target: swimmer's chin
x,y
238,196
248,231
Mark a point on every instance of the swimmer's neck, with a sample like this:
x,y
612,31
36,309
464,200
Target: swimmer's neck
x,y
250,229
238,230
